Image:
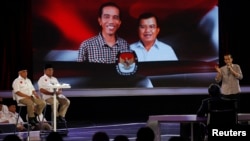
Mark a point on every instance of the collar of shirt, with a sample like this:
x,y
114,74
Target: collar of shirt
x,y
20,77
46,76
140,45
227,66
103,43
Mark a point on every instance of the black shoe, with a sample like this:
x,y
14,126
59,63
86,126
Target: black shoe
x,y
35,118
32,121
61,119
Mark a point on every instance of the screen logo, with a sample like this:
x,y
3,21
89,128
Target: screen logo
x,y
126,62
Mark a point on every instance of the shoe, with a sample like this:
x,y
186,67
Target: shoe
x,y
61,119
32,121
35,118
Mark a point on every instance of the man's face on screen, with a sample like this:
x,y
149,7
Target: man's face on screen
x,y
110,20
148,30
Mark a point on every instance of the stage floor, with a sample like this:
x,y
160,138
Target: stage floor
x,y
85,132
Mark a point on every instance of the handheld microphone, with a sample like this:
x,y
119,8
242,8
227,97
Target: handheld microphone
x,y
228,68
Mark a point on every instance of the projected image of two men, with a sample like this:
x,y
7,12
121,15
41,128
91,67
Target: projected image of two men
x,y
132,44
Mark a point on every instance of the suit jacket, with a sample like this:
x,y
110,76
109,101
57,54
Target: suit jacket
x,y
218,102
203,109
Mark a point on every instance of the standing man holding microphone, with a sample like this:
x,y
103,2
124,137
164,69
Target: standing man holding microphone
x,y
229,76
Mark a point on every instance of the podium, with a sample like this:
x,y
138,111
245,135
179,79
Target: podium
x,y
55,87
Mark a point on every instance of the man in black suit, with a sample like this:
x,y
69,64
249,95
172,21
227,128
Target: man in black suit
x,y
215,95
220,112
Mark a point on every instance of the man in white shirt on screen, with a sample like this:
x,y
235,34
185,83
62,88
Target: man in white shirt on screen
x,y
149,48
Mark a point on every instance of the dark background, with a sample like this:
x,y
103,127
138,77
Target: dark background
x,y
16,48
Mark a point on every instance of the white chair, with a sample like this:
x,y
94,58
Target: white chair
x,y
44,133
20,105
45,109
65,131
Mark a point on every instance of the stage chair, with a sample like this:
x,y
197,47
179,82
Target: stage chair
x,y
45,110
59,125
44,133
223,112
20,105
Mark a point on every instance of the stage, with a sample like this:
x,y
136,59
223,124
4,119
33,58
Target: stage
x,y
123,110
158,91
84,131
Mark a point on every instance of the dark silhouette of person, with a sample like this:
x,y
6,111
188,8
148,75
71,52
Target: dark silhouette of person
x,y
145,134
12,137
100,136
121,138
223,109
214,94
54,136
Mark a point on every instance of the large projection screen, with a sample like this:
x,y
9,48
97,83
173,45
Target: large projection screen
x,y
189,26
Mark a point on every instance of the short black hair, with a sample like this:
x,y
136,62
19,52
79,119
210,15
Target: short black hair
x,y
11,102
214,89
106,5
121,138
21,68
227,54
46,66
145,134
54,136
100,136
147,15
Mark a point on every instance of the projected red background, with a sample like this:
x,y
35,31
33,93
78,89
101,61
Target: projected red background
x,y
189,26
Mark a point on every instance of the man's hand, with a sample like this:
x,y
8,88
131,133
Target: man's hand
x,y
217,69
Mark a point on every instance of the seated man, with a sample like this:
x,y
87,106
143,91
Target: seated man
x,y
215,102
43,123
9,119
26,94
62,102
13,115
218,110
214,95
3,112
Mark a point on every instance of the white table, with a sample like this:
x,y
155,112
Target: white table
x,y
55,88
154,121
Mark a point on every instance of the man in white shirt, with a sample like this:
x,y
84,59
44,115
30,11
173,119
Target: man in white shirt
x,y
62,102
3,112
26,94
43,123
149,48
13,115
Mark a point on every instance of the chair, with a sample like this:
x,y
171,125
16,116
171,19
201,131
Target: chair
x,y
63,132
222,115
43,131
222,112
45,109
20,105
